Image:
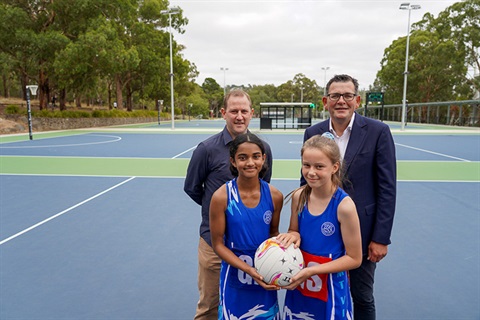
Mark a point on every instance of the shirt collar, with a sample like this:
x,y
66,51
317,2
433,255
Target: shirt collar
x,y
227,138
349,127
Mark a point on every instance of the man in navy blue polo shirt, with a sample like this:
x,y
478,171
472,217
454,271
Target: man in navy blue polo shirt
x,y
208,169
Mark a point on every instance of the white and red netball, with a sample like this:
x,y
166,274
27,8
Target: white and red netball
x,y
276,264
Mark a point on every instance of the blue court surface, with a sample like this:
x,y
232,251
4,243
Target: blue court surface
x,y
94,224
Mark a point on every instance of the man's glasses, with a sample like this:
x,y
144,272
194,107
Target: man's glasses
x,y
346,96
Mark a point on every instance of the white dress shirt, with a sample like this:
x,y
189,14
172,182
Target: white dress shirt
x,y
342,141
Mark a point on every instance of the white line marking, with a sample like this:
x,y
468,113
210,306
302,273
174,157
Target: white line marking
x,y
115,139
64,211
178,155
436,153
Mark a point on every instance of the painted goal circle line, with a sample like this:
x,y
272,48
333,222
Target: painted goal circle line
x,y
112,140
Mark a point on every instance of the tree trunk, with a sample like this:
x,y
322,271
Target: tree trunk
x,y
42,93
109,97
6,87
129,97
118,84
63,100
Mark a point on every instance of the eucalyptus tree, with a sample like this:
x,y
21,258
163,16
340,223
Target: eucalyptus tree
x,y
72,45
97,53
459,23
27,37
441,50
262,93
286,92
307,88
214,94
7,73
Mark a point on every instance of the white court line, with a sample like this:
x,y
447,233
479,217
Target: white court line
x,y
115,139
436,153
64,211
178,155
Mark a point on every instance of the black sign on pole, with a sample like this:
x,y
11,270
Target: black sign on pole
x,y
375,97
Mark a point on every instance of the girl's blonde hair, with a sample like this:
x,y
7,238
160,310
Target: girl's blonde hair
x,y
331,150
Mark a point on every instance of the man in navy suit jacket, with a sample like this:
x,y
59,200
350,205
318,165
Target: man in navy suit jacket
x,y
369,165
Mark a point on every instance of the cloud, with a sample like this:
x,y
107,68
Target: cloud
x,y
269,42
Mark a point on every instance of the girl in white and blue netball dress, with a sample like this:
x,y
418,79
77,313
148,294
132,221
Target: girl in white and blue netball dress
x,y
324,223
243,213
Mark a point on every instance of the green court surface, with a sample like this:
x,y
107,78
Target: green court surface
x,y
176,168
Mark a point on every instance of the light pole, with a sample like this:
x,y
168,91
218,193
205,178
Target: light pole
x,y
33,89
324,88
325,80
409,7
160,107
171,11
224,82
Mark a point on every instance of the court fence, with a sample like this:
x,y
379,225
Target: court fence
x,y
453,113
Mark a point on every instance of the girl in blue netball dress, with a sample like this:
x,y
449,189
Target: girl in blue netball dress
x,y
243,213
324,223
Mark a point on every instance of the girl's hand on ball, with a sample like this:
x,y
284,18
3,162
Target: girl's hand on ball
x,y
298,279
259,279
286,239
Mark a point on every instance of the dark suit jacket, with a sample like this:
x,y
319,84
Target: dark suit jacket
x,y
371,176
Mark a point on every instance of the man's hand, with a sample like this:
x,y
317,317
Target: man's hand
x,y
377,251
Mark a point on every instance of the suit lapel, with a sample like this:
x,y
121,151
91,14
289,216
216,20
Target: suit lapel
x,y
357,139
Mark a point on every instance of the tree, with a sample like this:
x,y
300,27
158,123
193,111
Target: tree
x,y
440,51
97,53
264,93
199,103
17,42
214,94
460,23
74,45
8,73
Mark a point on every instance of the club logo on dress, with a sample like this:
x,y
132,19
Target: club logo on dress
x,y
267,217
328,229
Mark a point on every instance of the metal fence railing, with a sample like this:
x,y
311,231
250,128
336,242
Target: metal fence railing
x,y
454,113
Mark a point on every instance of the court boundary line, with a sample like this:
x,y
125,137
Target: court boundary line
x,y
116,139
176,157
64,211
183,177
431,152
186,151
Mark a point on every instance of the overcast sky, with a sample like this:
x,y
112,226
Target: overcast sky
x,y
270,41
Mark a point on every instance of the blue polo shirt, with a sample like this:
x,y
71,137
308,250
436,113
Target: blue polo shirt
x,y
209,168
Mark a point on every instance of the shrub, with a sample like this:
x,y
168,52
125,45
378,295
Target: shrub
x,y
100,114
13,109
115,113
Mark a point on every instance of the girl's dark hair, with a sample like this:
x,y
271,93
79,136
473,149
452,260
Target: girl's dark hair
x,y
242,138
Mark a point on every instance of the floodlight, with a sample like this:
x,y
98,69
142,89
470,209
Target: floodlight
x,y
406,6
171,11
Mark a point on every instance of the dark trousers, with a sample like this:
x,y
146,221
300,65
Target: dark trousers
x,y
361,288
